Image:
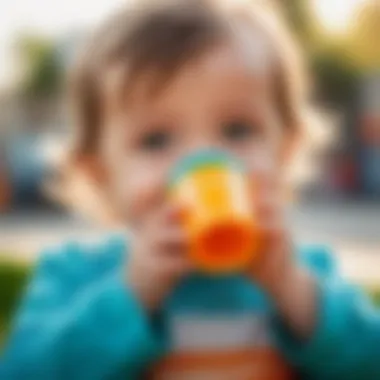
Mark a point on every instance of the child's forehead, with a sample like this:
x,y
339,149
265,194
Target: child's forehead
x,y
244,56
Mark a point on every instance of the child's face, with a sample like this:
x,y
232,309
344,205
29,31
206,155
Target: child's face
x,y
221,100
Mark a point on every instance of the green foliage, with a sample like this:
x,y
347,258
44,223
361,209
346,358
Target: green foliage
x,y
12,282
337,61
336,77
42,69
376,297
299,15
334,74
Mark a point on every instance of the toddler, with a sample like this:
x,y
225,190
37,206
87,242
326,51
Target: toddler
x,y
158,81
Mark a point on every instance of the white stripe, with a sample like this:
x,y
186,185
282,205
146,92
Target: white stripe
x,y
219,333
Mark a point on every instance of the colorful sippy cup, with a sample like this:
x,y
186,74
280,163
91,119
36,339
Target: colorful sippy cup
x,y
214,190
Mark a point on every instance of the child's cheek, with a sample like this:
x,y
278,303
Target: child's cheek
x,y
143,192
259,160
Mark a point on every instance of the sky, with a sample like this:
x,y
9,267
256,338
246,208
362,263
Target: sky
x,y
56,17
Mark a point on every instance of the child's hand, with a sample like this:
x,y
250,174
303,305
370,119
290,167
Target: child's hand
x,y
275,259
291,287
158,258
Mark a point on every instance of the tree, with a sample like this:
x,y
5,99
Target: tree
x,y
327,55
336,76
41,77
364,36
41,71
300,17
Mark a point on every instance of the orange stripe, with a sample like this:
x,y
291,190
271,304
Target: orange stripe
x,y
268,363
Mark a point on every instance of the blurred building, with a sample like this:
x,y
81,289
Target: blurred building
x,y
369,136
354,165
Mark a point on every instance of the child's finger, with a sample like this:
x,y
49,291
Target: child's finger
x,y
165,216
169,213
172,240
175,266
265,195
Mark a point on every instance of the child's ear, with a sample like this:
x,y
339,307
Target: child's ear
x,y
95,180
92,167
83,190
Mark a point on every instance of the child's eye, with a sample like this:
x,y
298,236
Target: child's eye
x,y
239,131
156,141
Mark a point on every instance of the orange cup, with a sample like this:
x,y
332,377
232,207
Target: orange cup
x,y
219,219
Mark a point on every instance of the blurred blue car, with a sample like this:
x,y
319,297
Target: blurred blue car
x,y
27,167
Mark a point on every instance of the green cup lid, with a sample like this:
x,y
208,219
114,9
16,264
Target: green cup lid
x,y
203,159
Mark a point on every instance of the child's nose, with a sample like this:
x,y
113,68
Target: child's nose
x,y
202,143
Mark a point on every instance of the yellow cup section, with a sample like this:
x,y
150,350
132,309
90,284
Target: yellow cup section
x,y
218,218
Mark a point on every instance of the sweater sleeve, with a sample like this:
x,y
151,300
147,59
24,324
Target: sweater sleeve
x,y
346,340
79,320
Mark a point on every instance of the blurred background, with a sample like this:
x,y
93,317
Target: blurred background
x,y
341,206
